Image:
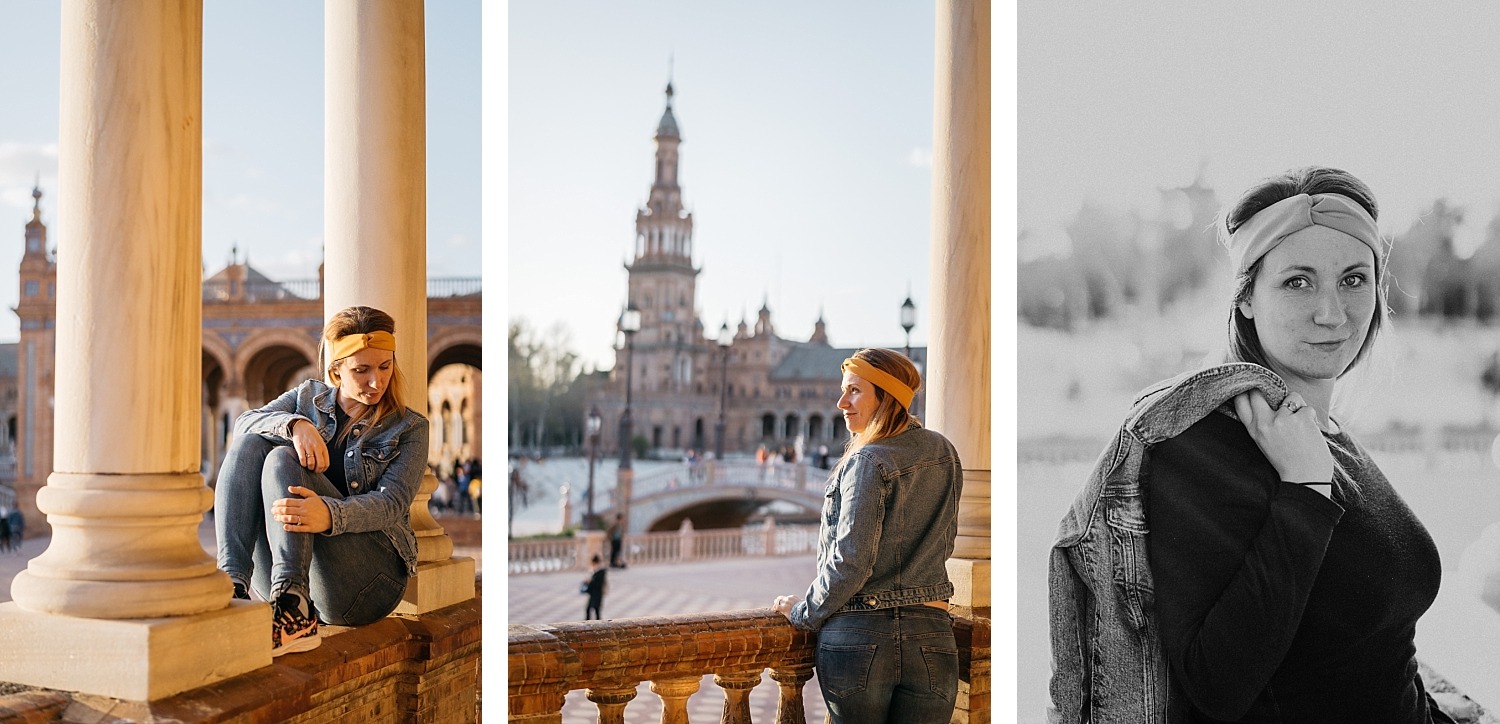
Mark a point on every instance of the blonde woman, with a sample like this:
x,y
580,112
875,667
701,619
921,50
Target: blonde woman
x,y
311,506
886,651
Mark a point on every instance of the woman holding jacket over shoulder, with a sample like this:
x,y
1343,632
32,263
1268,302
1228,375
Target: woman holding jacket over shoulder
x,y
312,504
1289,574
886,651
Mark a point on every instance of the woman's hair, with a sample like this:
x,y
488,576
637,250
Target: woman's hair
x,y
1244,343
362,320
890,418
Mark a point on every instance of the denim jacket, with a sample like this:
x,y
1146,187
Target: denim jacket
x,y
890,517
383,466
1107,660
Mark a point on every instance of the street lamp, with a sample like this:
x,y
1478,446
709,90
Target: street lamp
x,y
592,425
908,320
630,323
724,342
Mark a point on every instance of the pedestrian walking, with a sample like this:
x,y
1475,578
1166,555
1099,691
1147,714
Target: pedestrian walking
x,y
595,586
879,604
4,529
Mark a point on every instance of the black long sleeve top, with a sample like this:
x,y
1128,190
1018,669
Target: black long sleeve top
x,y
1277,604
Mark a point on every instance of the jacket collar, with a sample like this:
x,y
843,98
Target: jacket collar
x,y
1165,409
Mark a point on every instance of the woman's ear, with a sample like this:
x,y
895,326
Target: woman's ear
x,y
1246,310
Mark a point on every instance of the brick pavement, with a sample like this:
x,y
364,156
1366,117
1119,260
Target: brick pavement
x,y
671,589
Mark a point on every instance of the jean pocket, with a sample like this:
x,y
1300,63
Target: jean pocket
x,y
375,601
942,671
844,670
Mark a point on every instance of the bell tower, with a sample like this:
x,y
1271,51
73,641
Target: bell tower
x,y
37,310
662,279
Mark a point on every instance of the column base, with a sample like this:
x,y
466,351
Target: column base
x,y
133,659
971,581
438,584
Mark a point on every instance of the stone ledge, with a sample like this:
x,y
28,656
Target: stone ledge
x,y
401,668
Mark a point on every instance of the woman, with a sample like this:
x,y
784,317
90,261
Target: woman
x,y
311,506
885,644
1289,574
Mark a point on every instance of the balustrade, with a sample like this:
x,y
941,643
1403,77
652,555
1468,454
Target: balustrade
x,y
551,555
609,659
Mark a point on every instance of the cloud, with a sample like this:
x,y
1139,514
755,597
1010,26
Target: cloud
x,y
457,240
920,157
20,164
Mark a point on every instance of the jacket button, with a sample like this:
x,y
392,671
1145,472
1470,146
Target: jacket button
x,y
349,454
870,601
353,485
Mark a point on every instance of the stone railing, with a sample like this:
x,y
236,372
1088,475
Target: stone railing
x,y
549,555
609,659
302,290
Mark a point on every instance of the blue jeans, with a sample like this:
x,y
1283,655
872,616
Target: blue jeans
x,y
352,578
897,665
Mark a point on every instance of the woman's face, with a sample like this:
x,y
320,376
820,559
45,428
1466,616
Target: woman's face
x,y
365,375
857,402
1312,303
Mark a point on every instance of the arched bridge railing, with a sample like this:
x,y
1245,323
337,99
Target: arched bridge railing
x,y
796,476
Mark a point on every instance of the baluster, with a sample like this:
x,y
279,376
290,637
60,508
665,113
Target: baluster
x,y
674,695
611,701
791,678
737,686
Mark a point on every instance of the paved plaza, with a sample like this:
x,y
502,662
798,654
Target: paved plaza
x,y
657,590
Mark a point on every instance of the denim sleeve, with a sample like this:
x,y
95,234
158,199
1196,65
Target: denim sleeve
x,y
275,418
389,499
850,558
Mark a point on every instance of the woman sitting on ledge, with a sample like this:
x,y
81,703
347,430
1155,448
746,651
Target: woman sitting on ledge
x,y
300,530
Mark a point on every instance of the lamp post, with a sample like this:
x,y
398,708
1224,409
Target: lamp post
x,y
724,342
908,320
592,425
630,323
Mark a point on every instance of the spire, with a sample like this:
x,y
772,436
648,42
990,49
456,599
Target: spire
x,y
36,200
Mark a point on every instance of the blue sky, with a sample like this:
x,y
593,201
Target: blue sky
x,y
262,135
805,159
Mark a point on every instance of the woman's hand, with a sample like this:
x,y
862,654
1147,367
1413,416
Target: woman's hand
x,y
312,452
1288,437
783,605
307,514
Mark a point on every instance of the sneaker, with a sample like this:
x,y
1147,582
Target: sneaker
x,y
240,593
294,624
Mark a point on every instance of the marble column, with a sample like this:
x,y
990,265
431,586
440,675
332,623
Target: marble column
x,y
125,602
375,221
958,371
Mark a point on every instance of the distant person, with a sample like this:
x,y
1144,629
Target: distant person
x,y
461,478
17,529
476,491
1284,575
879,603
595,586
616,540
314,494
5,544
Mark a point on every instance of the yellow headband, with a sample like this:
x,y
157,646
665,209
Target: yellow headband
x,y
351,343
880,378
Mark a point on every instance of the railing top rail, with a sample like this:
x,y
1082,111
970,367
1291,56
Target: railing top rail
x,y
630,650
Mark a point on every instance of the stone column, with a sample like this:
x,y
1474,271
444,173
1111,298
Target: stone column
x,y
375,222
958,370
125,602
